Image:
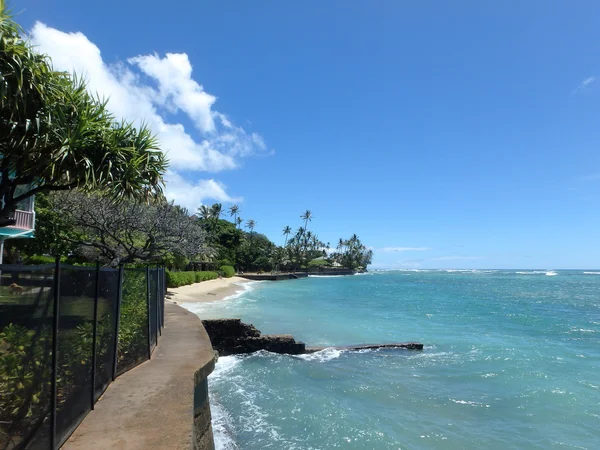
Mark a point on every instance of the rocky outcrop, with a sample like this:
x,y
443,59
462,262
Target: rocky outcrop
x,y
233,337
405,345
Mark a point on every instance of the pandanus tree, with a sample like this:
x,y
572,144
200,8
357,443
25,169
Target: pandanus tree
x,y
56,136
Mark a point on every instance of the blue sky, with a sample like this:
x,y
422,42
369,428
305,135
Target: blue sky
x,y
445,134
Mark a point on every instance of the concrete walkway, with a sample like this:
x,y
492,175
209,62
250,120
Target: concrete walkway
x,y
151,406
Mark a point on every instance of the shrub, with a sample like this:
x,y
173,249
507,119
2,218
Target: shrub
x,y
37,260
228,271
205,276
177,279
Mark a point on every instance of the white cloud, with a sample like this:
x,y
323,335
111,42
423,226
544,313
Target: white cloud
x,y
585,83
403,249
192,195
177,90
146,89
454,258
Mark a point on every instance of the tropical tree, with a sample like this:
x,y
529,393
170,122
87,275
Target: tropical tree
x,y
204,212
55,136
239,221
251,224
307,217
127,231
233,212
215,211
286,232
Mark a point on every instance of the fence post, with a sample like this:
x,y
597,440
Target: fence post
x,y
117,321
163,277
158,314
149,311
54,374
95,332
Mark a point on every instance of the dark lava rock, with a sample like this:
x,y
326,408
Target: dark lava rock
x,y
233,337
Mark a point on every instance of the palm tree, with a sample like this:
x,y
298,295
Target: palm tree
x,y
234,211
286,232
239,221
204,212
251,224
216,210
307,217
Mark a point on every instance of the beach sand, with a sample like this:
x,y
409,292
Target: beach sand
x,y
206,291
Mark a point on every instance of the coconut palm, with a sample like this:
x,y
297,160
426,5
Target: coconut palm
x,y
251,224
204,212
307,217
216,210
286,232
239,221
234,211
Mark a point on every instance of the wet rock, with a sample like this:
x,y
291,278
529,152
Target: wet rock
x,y
233,337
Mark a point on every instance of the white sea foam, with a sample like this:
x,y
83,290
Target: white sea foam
x,y
245,287
327,354
549,273
325,276
466,402
224,366
591,273
222,425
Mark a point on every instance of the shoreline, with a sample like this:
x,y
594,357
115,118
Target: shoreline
x,y
206,291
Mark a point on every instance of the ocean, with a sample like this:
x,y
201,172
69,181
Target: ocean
x,y
511,361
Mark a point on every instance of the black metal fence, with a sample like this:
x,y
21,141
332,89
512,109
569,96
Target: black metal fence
x,y
65,334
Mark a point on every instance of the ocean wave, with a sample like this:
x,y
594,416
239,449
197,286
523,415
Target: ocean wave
x,y
246,287
222,426
591,273
224,366
549,273
325,276
327,354
470,403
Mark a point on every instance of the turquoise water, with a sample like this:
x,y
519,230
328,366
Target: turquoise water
x,y
511,361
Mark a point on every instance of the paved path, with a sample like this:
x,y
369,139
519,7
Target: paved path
x,y
151,406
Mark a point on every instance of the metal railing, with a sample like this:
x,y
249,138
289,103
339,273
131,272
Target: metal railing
x,y
65,334
24,220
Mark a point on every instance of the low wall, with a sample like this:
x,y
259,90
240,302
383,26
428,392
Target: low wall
x,y
202,436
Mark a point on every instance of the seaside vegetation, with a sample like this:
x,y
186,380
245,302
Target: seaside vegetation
x,y
183,278
56,136
98,184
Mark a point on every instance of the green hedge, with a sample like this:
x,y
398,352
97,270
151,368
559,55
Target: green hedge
x,y
228,271
176,279
205,276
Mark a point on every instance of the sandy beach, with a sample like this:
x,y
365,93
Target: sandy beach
x,y
206,291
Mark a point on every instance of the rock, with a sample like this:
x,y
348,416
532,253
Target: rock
x,y
232,337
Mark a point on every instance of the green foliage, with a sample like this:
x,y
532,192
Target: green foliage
x,y
24,375
133,325
205,276
319,262
177,279
40,260
228,271
55,135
